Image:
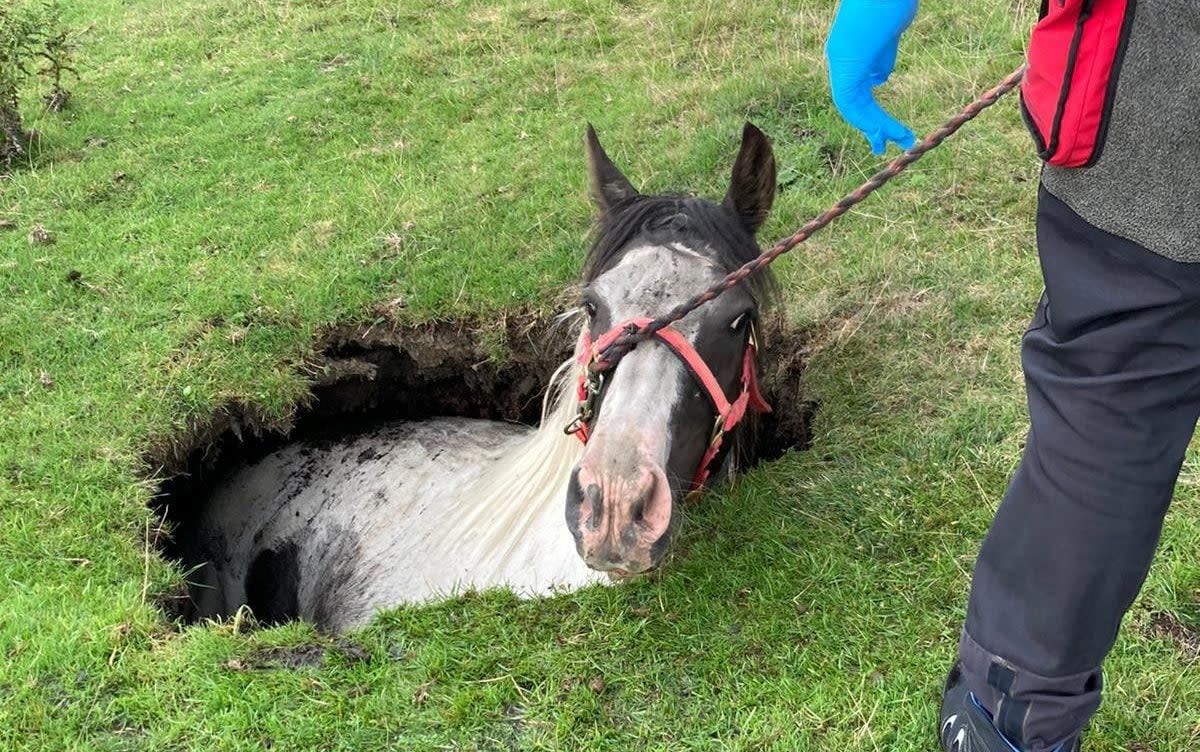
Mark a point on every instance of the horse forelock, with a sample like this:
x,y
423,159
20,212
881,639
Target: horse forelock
x,y
703,226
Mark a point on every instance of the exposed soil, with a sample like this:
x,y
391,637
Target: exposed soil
x,y
15,141
311,655
1168,625
366,376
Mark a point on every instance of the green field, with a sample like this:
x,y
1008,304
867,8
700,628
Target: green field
x,y
232,178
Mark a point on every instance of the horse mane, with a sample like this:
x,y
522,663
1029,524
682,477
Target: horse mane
x,y
510,494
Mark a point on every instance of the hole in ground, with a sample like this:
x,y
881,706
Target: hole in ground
x,y
385,385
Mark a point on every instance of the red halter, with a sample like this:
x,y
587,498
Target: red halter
x,y
729,414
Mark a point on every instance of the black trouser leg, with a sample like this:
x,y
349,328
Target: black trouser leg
x,y
1112,367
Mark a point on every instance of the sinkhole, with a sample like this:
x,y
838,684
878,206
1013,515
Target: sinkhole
x,y
312,520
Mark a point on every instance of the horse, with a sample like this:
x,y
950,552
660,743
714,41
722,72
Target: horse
x,y
418,511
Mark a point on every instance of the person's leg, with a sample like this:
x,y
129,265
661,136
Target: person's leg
x,y
1112,365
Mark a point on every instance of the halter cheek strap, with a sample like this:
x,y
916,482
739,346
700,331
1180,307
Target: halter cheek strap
x,y
728,414
731,413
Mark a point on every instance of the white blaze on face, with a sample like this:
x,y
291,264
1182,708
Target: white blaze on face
x,y
650,381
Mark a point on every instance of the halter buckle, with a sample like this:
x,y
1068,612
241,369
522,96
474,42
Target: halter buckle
x,y
593,382
575,426
718,430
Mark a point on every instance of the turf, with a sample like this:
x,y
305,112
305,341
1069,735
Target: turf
x,y
232,177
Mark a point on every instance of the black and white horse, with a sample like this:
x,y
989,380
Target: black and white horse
x,y
419,510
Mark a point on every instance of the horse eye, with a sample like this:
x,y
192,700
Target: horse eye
x,y
739,321
589,309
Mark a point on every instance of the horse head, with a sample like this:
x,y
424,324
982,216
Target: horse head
x,y
656,415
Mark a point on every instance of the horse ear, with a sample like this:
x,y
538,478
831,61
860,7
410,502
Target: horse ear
x,y
752,189
609,187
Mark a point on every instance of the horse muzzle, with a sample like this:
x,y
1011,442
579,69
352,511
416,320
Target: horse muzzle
x,y
620,516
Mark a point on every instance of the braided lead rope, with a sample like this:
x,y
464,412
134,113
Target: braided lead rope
x,y
609,357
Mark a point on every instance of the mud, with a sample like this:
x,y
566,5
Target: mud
x,y
298,657
1167,625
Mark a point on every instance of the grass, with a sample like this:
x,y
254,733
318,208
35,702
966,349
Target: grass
x,y
222,187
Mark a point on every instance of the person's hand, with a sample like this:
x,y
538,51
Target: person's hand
x,y
861,52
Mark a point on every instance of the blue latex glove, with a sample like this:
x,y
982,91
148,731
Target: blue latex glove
x,y
861,52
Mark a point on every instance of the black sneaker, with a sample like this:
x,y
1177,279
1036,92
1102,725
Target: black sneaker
x,y
965,726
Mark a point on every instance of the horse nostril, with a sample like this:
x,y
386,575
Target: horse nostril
x,y
585,503
574,490
645,496
595,500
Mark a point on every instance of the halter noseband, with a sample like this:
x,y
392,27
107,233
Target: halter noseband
x,y
729,413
